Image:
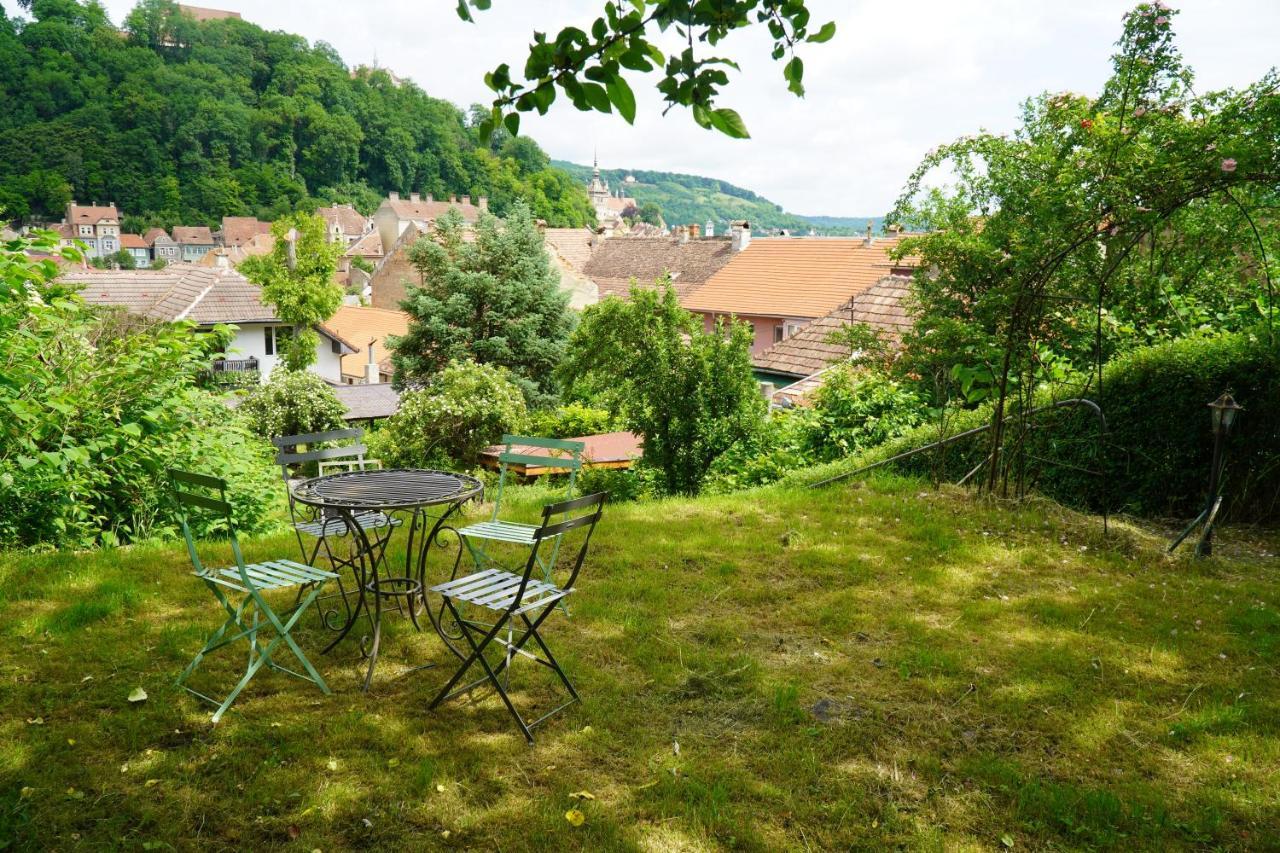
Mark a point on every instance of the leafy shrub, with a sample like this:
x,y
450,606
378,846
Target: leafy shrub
x,y
568,421
854,409
1159,442
292,402
465,408
621,484
96,408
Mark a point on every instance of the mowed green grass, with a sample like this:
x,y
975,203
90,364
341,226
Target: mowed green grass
x,y
875,666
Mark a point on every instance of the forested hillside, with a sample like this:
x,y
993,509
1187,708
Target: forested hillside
x,y
179,121
686,199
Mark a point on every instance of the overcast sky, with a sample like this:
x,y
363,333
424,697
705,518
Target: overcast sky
x,y
898,78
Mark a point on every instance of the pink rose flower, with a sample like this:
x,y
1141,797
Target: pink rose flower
x,y
1228,165
1140,112
1162,20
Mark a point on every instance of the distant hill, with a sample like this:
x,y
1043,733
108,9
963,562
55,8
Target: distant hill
x,y
687,199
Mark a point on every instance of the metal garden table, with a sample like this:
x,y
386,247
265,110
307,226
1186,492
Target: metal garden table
x,y
426,500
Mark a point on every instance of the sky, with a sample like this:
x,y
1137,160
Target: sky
x,y
898,78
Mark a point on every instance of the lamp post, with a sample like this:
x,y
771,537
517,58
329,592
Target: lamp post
x,y
1223,413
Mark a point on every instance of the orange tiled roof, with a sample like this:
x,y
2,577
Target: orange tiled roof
x,y
348,218
88,214
368,246
238,230
155,234
202,14
193,234
795,276
427,208
132,241
808,351
573,245
360,325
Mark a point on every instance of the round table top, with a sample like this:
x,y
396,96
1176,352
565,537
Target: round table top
x,y
393,488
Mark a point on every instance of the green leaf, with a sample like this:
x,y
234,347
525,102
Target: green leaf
x,y
623,98
823,35
794,73
702,115
512,123
597,97
729,123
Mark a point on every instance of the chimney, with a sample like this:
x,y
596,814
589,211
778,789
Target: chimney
x,y
453,199
220,259
740,232
466,199
483,203
682,234
542,225
711,228
393,196
695,231
430,198
371,374
414,197
868,240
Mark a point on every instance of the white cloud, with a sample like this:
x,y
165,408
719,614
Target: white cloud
x,y
899,78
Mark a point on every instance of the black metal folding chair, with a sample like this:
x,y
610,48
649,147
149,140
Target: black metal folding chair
x,y
514,597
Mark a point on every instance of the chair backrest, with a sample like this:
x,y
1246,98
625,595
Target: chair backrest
x,y
557,520
204,494
353,449
562,454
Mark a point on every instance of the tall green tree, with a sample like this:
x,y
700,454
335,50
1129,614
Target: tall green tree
x,y
1102,223
688,392
297,278
495,300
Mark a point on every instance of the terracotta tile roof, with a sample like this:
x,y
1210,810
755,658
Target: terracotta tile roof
x,y
66,231
196,235
368,246
801,277
200,13
132,241
367,401
89,214
618,260
573,245
605,450
360,325
423,210
238,230
798,392
154,234
352,222
808,351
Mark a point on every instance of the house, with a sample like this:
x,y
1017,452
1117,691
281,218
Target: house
x,y
343,223
222,257
369,250
370,328
238,230
210,297
780,285
97,226
569,250
137,248
163,247
809,352
202,14
395,214
195,241
392,274
689,260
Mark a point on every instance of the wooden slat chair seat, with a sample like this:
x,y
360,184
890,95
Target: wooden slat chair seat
x,y
201,493
561,454
522,603
349,454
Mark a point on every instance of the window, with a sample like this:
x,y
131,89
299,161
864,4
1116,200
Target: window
x,y
779,332
269,340
335,347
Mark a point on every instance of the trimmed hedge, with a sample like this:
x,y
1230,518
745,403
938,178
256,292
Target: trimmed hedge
x,y
1159,445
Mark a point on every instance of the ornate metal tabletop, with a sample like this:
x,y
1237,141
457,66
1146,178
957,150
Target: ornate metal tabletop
x,y
391,489
370,506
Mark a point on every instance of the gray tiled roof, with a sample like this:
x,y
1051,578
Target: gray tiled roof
x,y
177,292
618,260
368,401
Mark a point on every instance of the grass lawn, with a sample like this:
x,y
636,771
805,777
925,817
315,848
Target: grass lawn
x,y
881,665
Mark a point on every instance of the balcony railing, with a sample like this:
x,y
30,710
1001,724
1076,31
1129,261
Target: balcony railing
x,y
234,371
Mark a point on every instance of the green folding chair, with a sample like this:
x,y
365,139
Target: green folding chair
x,y
562,455
246,582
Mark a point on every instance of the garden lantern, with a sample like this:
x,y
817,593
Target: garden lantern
x,y
1223,413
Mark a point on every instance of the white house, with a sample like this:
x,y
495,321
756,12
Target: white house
x,y
210,296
